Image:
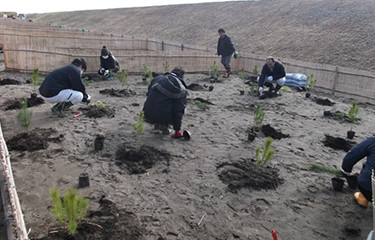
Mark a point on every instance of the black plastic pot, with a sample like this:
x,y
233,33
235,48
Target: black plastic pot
x,y
327,113
242,92
99,143
350,134
307,95
251,136
33,96
337,184
186,134
83,180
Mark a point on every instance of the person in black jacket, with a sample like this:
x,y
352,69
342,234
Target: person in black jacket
x,y
364,149
166,102
64,86
272,72
225,49
108,64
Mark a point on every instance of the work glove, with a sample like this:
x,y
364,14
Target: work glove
x,y
270,78
235,54
101,71
106,72
177,134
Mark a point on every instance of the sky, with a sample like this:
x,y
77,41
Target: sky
x,y
43,6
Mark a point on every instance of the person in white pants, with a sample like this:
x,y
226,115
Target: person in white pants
x,y
272,72
64,86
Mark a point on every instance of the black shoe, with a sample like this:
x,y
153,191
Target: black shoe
x,y
277,89
262,96
164,129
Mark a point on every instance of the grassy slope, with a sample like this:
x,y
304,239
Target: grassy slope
x,y
337,32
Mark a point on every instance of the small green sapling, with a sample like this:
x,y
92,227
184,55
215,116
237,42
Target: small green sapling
x,y
266,155
24,115
138,127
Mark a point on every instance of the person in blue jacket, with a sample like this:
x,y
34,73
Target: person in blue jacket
x,y
272,72
166,102
64,86
364,149
225,49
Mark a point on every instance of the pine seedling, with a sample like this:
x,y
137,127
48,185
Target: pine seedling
x,y
86,81
255,70
71,210
214,72
352,115
149,79
123,77
316,167
201,105
145,69
243,74
258,116
166,66
24,115
138,127
266,155
253,90
35,79
311,81
101,104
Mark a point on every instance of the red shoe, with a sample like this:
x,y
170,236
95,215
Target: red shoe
x,y
177,134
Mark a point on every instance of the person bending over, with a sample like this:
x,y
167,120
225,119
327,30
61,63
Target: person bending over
x,y
273,72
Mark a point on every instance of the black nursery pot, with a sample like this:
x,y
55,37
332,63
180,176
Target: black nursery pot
x,y
242,92
327,113
251,136
33,95
337,184
83,180
350,134
307,95
99,143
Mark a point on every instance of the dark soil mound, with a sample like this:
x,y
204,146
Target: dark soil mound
x,y
95,111
16,103
269,131
138,161
195,87
244,174
324,102
338,143
8,81
107,223
118,93
37,139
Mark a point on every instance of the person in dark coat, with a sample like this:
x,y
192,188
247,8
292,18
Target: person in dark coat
x,y
108,64
166,102
365,149
64,86
225,49
272,72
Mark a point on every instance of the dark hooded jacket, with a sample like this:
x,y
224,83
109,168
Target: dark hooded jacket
x,y
67,77
224,46
362,150
111,63
166,100
277,72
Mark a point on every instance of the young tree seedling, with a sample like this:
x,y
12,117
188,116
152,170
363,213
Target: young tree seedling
x,y
24,115
266,155
166,66
258,117
352,115
201,105
138,127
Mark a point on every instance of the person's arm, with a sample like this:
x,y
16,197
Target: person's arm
x,y
229,45
356,154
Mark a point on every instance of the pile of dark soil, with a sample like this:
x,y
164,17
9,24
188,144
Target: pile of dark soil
x,y
118,93
16,103
95,111
9,81
37,139
108,222
269,131
138,161
338,143
244,174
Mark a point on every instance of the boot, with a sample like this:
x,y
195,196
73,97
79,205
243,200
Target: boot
x,y
67,105
361,200
277,89
57,107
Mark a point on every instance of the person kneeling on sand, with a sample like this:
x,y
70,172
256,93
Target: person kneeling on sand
x,y
108,64
64,86
166,102
272,72
364,149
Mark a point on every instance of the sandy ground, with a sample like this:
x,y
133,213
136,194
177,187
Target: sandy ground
x,y
186,199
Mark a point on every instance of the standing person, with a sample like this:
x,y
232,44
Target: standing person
x,y
365,149
272,72
166,102
225,49
64,86
108,64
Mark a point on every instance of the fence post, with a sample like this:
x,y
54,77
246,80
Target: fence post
x,y
335,80
162,45
182,47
